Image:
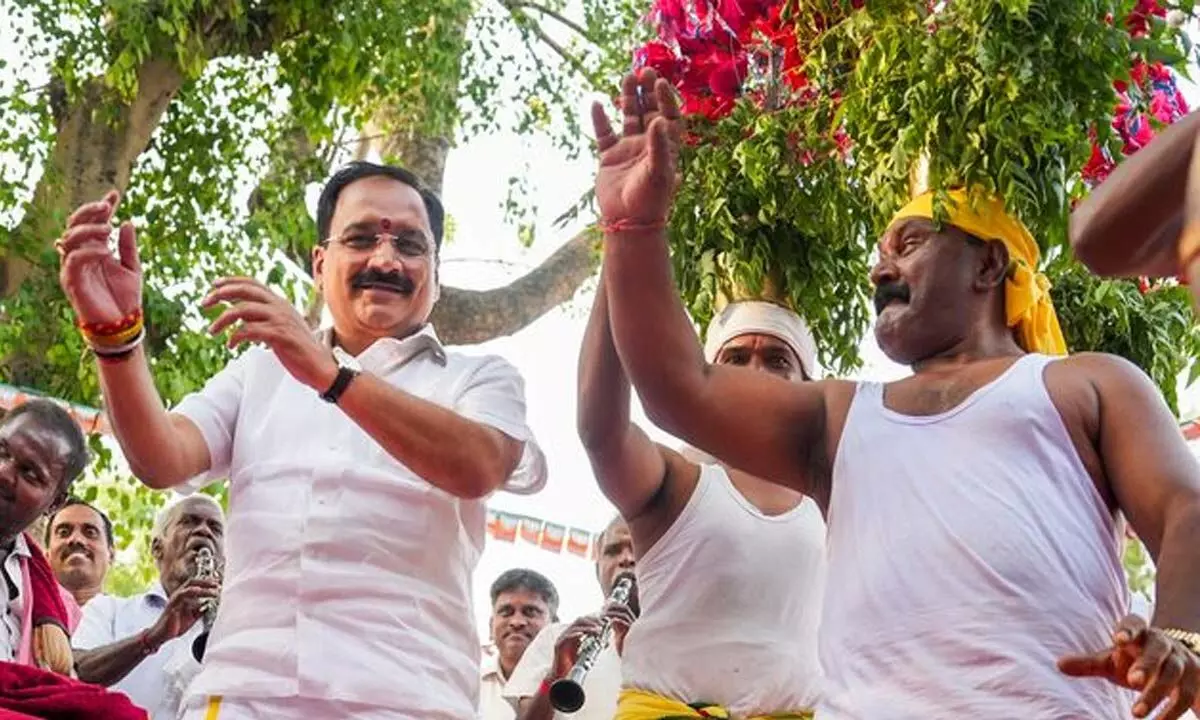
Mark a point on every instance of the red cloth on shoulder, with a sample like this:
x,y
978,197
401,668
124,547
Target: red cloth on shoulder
x,y
47,600
30,692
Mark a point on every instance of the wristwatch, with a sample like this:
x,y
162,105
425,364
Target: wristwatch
x,y
345,374
1190,640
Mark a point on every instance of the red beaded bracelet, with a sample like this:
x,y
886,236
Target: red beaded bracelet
x,y
112,328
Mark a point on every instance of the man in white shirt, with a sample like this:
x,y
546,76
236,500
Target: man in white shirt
x,y
523,602
127,643
555,650
359,459
79,545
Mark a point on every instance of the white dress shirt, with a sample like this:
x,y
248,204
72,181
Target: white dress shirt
x,y
107,619
348,577
601,687
492,703
12,604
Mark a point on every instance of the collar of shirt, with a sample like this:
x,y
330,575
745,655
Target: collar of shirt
x,y
490,667
10,558
388,351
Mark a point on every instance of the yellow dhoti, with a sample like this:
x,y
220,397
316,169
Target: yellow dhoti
x,y
641,705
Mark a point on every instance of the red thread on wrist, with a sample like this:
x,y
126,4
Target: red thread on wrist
x,y
544,688
611,227
148,648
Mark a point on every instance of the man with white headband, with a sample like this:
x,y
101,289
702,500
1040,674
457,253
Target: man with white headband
x,y
722,632
764,332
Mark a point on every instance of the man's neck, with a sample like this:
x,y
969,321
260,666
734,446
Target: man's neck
x,y
83,594
357,343
966,352
507,666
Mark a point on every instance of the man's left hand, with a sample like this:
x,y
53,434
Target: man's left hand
x,y
1143,658
269,319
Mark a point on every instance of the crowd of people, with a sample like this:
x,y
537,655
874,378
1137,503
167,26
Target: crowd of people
x,y
946,545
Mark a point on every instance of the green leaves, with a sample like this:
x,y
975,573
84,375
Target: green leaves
x,y
1155,330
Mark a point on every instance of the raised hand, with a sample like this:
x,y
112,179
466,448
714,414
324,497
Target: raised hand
x,y
638,172
267,318
103,287
1143,658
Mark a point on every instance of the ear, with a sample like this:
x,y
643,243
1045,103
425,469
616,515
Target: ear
x,y
992,265
156,549
318,263
58,502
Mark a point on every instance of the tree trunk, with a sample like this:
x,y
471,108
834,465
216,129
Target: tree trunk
x,y
94,151
421,154
464,317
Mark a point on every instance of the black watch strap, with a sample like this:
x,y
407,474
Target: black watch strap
x,y
340,383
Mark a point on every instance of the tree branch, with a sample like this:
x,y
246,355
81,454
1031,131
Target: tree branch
x,y
567,22
464,317
550,42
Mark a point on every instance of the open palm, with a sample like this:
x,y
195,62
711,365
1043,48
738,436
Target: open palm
x,y
102,286
638,169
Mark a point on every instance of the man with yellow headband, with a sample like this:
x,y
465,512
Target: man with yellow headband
x,y
975,507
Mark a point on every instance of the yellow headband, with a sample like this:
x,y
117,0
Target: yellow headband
x,y
1026,292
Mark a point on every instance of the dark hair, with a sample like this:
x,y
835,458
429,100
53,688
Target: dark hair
x,y
49,415
108,526
523,579
360,169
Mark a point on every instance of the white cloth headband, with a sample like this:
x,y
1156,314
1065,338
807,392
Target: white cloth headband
x,y
754,317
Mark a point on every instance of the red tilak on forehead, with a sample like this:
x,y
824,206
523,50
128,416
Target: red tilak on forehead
x,y
385,224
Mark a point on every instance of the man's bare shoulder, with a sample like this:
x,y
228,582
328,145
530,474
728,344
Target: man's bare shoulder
x,y
1102,370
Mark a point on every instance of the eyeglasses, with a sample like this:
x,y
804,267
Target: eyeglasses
x,y
412,244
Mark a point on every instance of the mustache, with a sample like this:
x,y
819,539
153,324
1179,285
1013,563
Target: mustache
x,y
889,291
73,548
372,277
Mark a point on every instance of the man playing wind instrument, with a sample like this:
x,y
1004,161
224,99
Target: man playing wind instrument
x,y
715,608
974,507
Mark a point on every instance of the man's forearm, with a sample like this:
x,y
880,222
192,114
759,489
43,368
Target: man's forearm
x,y
653,334
1129,224
458,455
148,437
603,410
1177,585
109,664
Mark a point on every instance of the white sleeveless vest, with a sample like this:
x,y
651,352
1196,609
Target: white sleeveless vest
x,y
968,551
730,603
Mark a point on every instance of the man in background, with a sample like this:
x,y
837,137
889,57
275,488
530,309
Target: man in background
x,y
523,603
79,544
556,648
142,645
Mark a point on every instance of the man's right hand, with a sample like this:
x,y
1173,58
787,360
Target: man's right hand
x,y
566,650
103,287
183,609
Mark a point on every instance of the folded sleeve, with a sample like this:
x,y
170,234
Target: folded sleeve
x,y
214,411
494,395
535,664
